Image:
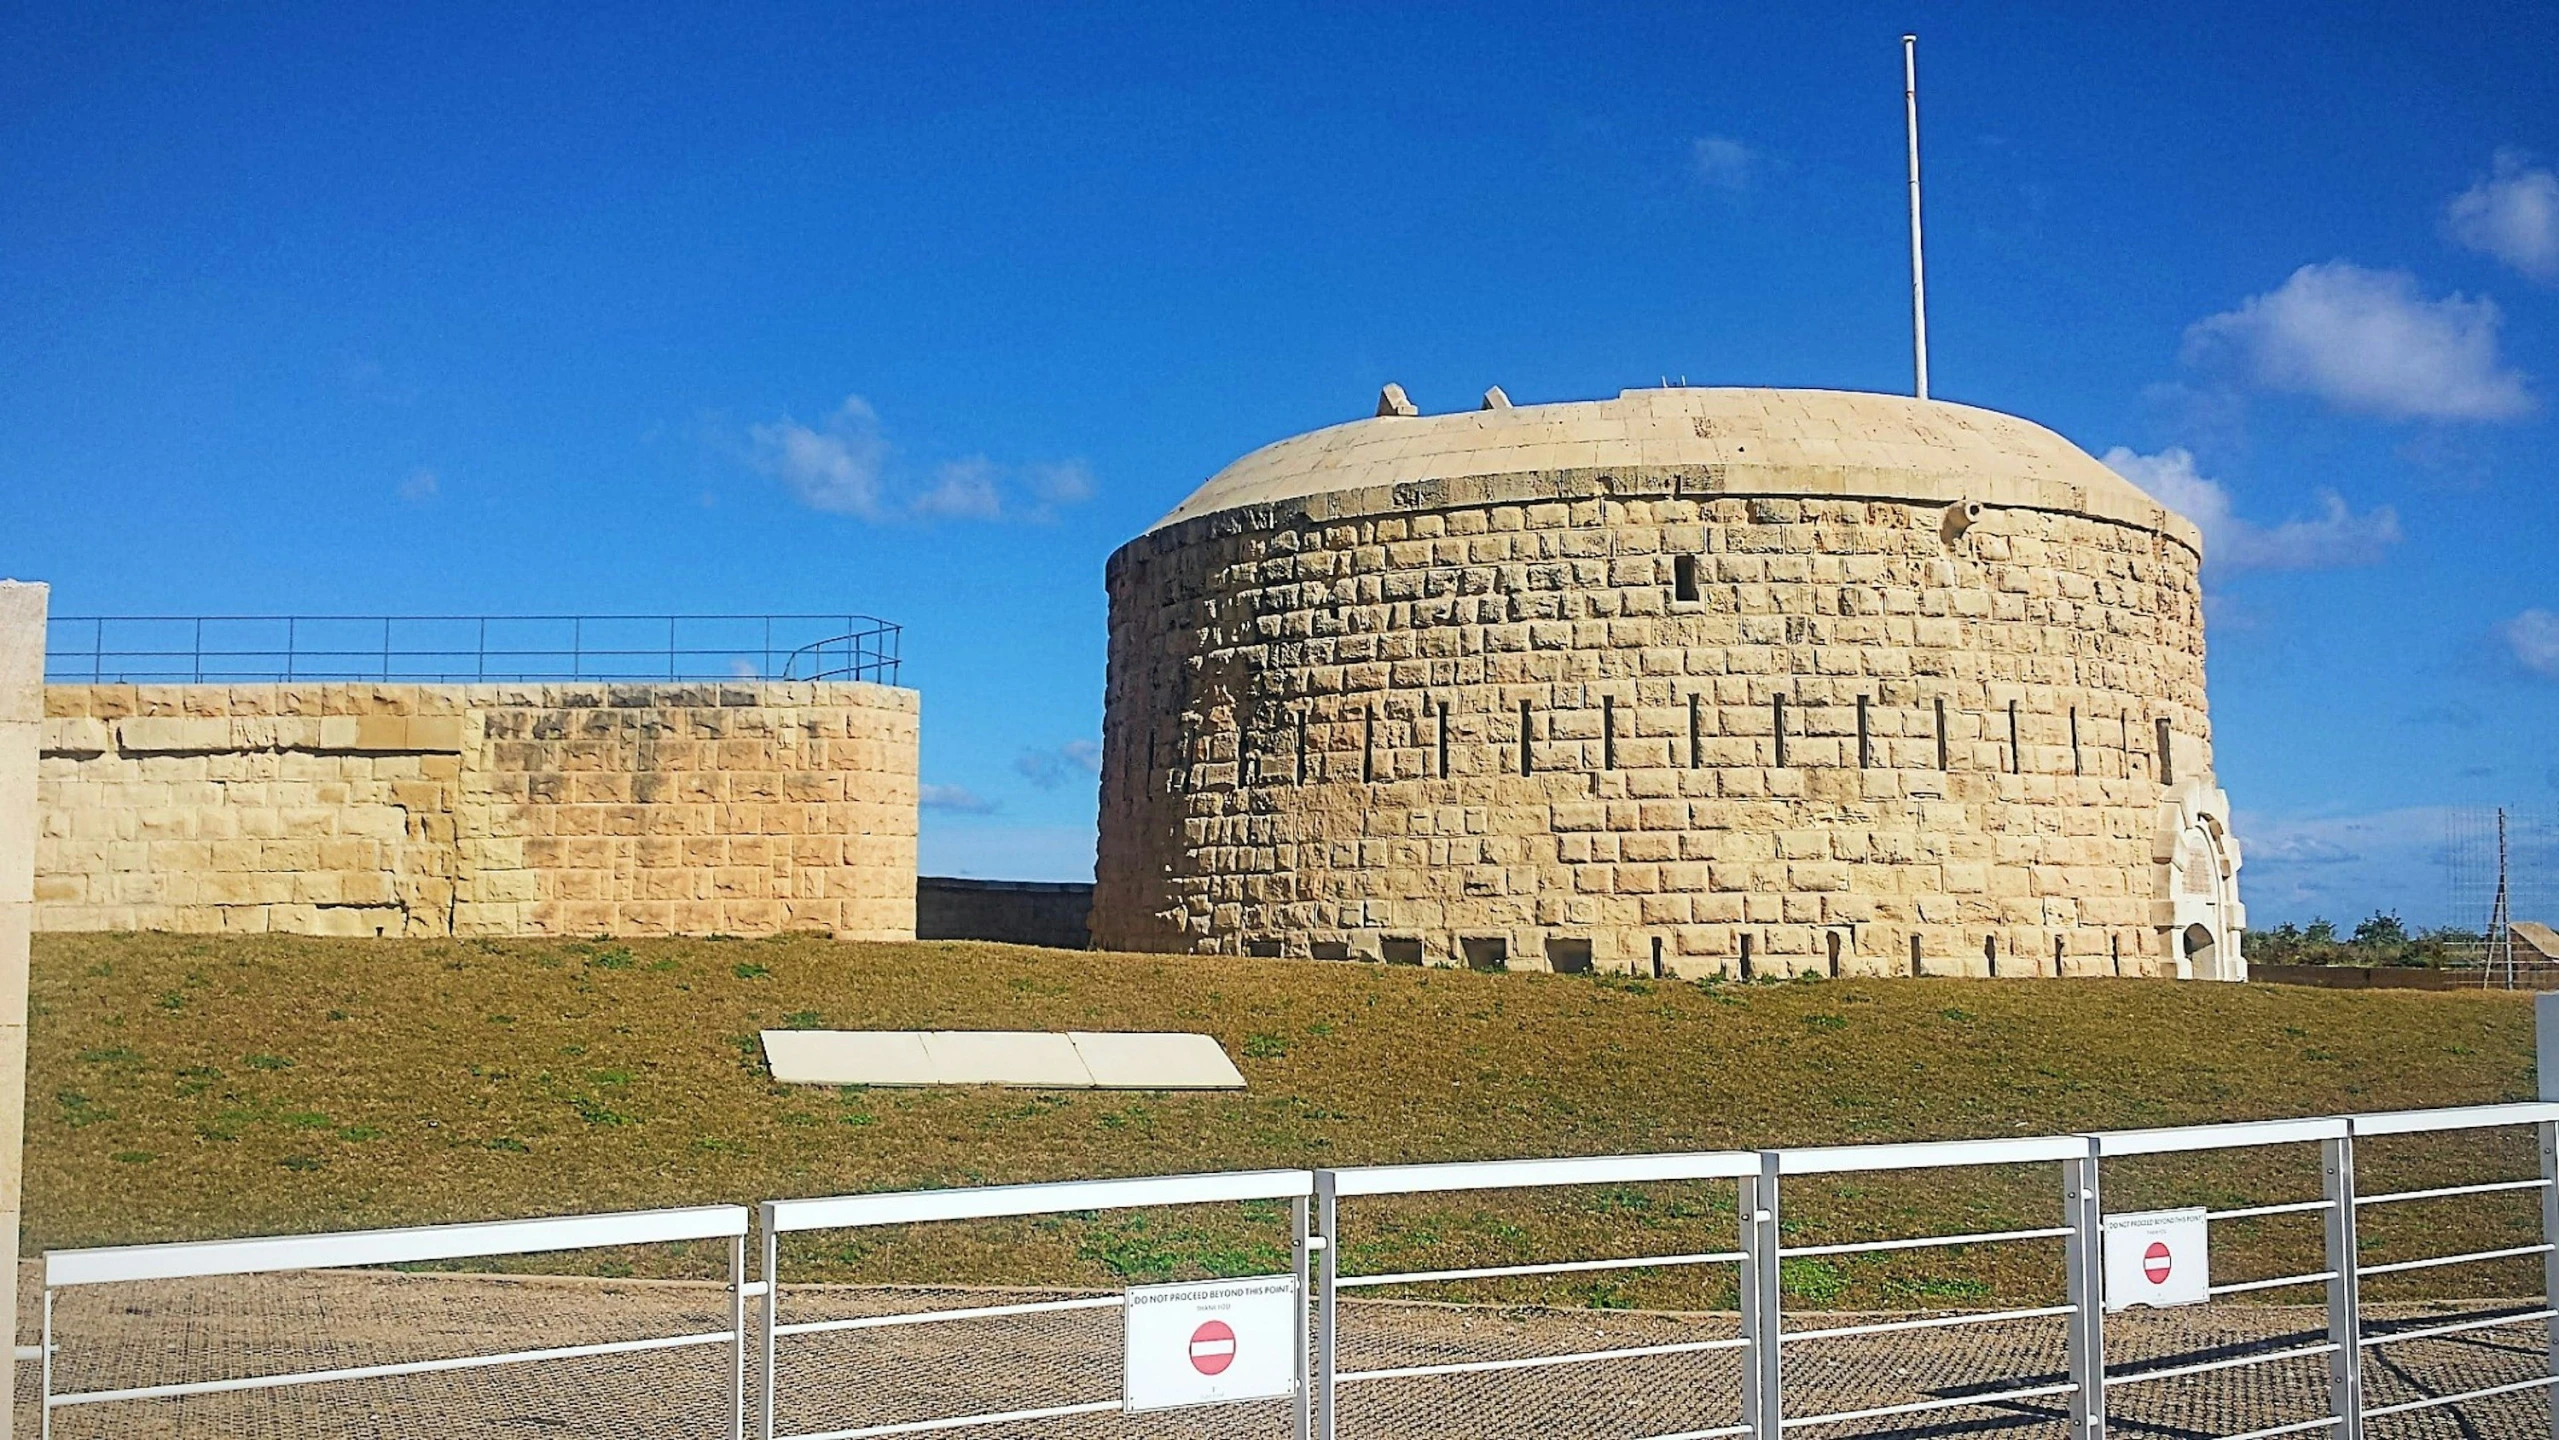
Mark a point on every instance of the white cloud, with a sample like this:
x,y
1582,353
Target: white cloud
x,y
963,490
1050,768
844,466
1063,483
2334,538
418,486
2368,341
836,467
1722,162
957,798
2343,867
2513,214
2534,637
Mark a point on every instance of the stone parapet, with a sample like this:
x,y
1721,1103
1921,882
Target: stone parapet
x,y
360,809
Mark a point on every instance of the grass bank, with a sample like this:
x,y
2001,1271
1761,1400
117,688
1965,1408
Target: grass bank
x,y
186,1087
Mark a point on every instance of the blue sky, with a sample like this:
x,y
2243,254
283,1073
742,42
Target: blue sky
x,y
920,312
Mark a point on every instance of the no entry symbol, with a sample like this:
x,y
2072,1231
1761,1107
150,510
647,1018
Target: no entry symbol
x,y
1212,1348
2156,1262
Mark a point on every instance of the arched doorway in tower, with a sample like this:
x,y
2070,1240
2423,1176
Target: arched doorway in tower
x,y
2198,944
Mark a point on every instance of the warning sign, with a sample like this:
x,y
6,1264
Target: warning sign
x,y
2158,1257
1211,1343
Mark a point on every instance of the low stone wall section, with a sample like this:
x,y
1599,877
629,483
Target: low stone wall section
x,y
354,809
1057,914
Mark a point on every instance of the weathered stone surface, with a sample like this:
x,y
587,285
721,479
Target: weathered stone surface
x,y
1322,663
359,809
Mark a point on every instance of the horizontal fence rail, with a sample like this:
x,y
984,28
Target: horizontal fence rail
x,y
474,649
2140,1388
64,1269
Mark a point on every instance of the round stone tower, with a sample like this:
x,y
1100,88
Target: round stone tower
x,y
1687,682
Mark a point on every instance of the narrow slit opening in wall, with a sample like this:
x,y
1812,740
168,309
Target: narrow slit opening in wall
x,y
1683,578
2115,952
1443,739
1941,734
1865,736
1368,745
1658,971
1485,952
1607,732
2167,759
1527,756
1696,733
2057,954
2074,741
1915,967
1567,957
1301,747
1834,954
2123,723
1777,720
1400,950
2016,762
1746,954
1990,954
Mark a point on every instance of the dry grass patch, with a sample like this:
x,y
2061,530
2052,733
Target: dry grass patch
x,y
198,1086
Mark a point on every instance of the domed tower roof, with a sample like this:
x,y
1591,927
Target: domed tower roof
x,y
1734,441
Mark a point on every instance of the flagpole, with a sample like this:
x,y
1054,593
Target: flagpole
x,y
1918,271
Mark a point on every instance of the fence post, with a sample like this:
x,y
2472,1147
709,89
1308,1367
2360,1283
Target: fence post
x,y
1763,1319
2084,1257
44,1378
1304,1250
737,1337
1327,1300
2550,1224
772,1307
2545,1032
2345,1305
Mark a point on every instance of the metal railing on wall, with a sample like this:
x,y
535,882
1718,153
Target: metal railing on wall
x,y
457,649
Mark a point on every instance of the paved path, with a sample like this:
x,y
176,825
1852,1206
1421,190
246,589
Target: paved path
x,y
128,1336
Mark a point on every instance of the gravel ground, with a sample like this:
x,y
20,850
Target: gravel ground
x,y
117,1336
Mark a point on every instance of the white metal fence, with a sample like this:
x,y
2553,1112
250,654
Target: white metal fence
x,y
1332,1187
1753,1377
1071,1198
1770,1415
65,1269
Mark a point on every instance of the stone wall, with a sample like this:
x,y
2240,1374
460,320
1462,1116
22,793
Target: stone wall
x,y
355,809
1057,914
1315,738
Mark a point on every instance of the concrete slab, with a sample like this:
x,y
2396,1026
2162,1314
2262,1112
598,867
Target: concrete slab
x,y
848,1057
1149,1061
1006,1057
1078,1060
